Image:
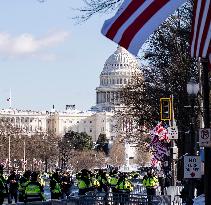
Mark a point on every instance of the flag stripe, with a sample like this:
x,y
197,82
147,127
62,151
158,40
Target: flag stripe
x,y
140,21
208,39
132,7
199,13
194,27
132,18
203,31
152,24
108,23
201,28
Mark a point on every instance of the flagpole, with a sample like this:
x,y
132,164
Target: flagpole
x,y
206,116
10,99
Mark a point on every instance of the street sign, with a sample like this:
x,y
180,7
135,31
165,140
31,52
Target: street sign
x,y
204,137
192,167
172,133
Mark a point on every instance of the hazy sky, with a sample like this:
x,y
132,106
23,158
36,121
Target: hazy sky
x,y
46,59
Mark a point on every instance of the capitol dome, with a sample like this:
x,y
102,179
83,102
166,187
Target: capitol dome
x,y
117,72
121,60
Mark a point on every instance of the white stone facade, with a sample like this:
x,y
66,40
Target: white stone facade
x,y
60,122
31,121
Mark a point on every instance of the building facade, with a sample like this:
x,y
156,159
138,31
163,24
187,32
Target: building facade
x,y
117,72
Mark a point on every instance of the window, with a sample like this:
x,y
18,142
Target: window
x,y
84,121
120,80
90,130
31,120
77,121
90,121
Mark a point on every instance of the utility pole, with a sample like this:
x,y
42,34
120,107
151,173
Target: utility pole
x,y
9,158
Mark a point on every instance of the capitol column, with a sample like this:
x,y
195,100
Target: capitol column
x,y
100,97
97,98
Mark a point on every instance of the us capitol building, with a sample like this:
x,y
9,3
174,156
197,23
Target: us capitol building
x,y
117,72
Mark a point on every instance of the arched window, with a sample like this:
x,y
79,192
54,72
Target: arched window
x,y
120,81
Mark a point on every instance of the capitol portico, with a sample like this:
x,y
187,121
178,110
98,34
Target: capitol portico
x,y
118,70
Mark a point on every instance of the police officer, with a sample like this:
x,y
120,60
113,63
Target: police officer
x,y
84,182
12,182
124,187
3,187
55,186
113,180
94,181
34,191
22,185
66,183
150,181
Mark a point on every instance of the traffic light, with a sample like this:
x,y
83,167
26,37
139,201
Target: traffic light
x,y
166,108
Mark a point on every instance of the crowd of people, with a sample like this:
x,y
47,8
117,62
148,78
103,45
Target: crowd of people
x,y
30,186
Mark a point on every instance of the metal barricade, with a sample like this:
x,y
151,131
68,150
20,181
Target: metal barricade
x,y
177,200
109,199
35,203
174,191
123,199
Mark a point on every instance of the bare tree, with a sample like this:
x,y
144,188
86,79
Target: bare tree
x,y
117,153
17,144
92,7
88,159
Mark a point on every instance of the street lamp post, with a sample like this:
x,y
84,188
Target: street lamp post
x,y
192,90
24,155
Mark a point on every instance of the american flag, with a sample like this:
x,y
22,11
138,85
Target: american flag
x,y
136,20
201,29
